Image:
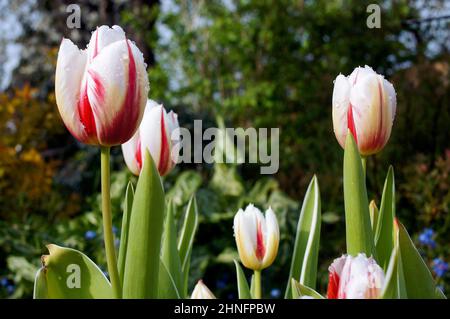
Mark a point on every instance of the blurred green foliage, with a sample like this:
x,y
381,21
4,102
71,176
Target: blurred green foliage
x,y
255,64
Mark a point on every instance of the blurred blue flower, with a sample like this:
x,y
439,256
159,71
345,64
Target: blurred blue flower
x,y
221,284
275,293
10,289
4,282
440,267
115,230
426,238
90,234
117,242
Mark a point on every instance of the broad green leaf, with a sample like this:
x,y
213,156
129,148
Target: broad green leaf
x,y
169,290
299,290
170,258
359,233
144,235
243,289
306,247
394,287
40,290
186,239
69,274
418,279
373,210
384,235
128,204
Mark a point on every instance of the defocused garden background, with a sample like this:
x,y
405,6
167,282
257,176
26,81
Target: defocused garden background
x,y
268,63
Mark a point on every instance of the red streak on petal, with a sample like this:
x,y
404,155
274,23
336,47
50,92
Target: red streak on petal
x,y
138,154
164,157
333,285
351,123
260,248
125,122
86,115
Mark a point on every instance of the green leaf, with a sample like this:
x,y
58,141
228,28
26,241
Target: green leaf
x,y
359,233
306,247
394,287
170,258
186,239
40,290
384,235
299,290
128,204
418,279
169,290
243,289
69,274
144,236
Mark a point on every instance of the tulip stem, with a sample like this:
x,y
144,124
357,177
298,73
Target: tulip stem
x,y
107,224
364,161
258,289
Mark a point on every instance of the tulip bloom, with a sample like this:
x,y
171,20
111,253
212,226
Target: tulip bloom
x,y
364,103
355,278
101,91
158,134
256,237
202,292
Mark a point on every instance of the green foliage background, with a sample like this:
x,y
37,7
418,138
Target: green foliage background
x,y
252,64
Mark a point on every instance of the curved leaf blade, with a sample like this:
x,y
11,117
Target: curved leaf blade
x,y
128,204
243,289
141,271
70,274
359,233
419,282
384,234
299,290
170,258
306,247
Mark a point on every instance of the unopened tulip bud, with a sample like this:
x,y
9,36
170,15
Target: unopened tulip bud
x,y
202,292
355,278
101,91
156,133
257,237
364,103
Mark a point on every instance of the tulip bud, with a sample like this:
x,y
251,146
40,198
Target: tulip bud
x,y
355,278
157,133
256,237
364,103
202,292
101,91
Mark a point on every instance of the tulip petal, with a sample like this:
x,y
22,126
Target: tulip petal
x,y
119,71
69,74
132,153
103,37
245,235
341,102
272,238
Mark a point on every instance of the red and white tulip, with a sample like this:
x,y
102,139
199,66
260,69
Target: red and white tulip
x,y
101,91
257,237
201,291
158,133
364,103
355,278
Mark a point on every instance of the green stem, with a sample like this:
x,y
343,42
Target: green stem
x,y
107,224
364,161
258,284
